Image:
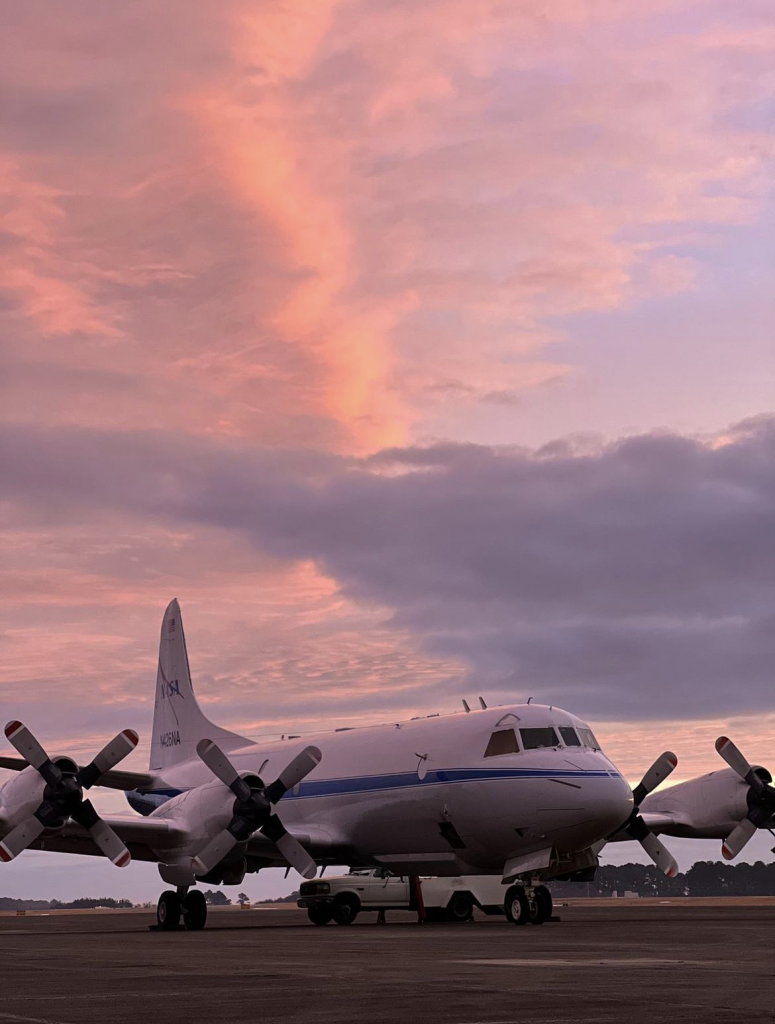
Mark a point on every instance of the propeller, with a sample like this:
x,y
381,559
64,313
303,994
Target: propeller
x,y
253,809
636,828
63,795
761,798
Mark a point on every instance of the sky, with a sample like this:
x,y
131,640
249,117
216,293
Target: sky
x,y
420,350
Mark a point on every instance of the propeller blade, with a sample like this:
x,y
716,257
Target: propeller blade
x,y
108,757
103,836
659,853
19,838
223,769
656,775
733,757
290,848
213,852
737,838
298,769
738,763
20,737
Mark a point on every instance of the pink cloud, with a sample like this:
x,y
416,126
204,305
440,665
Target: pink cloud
x,y
325,227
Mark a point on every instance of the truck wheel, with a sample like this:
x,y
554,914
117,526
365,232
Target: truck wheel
x,y
541,908
320,915
346,909
517,905
460,907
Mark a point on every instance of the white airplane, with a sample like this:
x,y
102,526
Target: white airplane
x,y
523,791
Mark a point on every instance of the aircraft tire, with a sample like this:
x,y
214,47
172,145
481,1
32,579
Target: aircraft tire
x,y
320,915
517,905
460,908
541,905
194,911
346,909
168,911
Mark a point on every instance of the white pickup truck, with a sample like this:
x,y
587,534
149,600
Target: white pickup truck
x,y
343,897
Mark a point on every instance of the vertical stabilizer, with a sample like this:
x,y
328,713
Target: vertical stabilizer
x,y
178,721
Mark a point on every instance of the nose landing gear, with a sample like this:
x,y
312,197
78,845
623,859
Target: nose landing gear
x,y
190,905
528,904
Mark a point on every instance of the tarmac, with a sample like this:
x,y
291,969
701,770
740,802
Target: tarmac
x,y
647,961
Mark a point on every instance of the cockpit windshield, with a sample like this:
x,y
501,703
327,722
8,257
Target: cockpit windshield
x,y
569,736
504,741
533,739
588,739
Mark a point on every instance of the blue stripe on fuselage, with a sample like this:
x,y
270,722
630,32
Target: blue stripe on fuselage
x,y
145,802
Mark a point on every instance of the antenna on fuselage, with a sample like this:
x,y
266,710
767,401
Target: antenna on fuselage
x,y
465,705
482,705
529,699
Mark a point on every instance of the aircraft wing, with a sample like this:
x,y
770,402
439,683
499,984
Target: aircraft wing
x,y
116,778
141,835
660,822
144,836
656,823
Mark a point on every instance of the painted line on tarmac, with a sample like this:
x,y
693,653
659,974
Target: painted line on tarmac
x,y
590,962
29,1020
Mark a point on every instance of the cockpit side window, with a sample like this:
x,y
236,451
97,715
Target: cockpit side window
x,y
588,739
533,739
504,741
569,737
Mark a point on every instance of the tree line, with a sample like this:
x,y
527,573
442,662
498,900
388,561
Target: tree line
x,y
705,878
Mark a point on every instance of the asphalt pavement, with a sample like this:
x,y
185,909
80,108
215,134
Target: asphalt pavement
x,y
601,964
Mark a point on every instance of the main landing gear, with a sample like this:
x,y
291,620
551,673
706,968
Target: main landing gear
x,y
528,904
191,906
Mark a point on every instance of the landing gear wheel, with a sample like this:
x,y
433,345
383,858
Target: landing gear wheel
x,y
540,905
517,905
168,911
320,915
194,911
460,907
345,909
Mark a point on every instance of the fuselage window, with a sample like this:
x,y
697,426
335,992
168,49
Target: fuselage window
x,y
588,739
502,742
533,739
569,737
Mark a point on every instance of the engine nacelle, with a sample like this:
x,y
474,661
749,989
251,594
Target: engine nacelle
x,y
22,794
707,807
201,813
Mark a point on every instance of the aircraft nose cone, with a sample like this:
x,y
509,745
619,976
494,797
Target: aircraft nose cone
x,y
578,815
611,804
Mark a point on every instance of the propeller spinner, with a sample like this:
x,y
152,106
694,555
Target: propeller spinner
x,y
63,795
761,798
253,810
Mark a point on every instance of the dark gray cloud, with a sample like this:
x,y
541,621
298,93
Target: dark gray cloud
x,y
632,578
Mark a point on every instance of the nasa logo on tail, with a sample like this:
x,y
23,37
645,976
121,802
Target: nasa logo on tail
x,y
170,688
